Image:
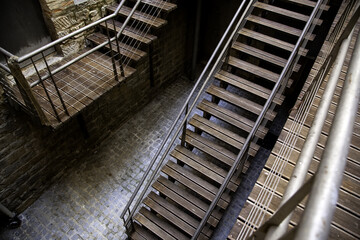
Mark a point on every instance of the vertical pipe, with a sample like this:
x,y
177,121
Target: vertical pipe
x,y
196,39
307,152
320,208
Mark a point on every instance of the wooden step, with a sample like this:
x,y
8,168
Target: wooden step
x,y
284,12
230,117
158,226
125,50
278,26
204,167
309,4
154,22
248,86
239,101
194,183
219,132
211,148
163,5
130,32
173,214
185,199
271,41
141,233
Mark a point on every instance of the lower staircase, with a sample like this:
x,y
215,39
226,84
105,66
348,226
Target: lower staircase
x,y
191,178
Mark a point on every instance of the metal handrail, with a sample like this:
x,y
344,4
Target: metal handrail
x,y
62,67
5,68
321,205
5,52
53,43
279,83
175,122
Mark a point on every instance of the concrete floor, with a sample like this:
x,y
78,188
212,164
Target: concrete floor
x,y
86,203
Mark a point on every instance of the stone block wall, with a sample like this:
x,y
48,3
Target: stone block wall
x,y
65,16
32,157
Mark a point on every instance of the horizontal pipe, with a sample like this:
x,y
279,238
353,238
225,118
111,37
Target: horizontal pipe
x,y
52,44
321,205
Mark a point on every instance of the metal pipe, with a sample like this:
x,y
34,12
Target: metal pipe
x,y
5,52
196,40
248,140
5,68
52,44
90,51
179,115
307,152
316,220
6,211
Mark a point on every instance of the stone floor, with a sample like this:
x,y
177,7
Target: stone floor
x,y
87,201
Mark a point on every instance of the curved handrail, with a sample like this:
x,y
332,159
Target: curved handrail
x,y
279,83
187,113
53,43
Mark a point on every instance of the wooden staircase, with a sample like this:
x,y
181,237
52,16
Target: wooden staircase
x,y
137,35
215,134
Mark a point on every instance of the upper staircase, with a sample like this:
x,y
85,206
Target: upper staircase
x,y
217,131
114,46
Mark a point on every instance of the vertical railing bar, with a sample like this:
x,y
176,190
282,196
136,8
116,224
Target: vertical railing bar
x,y
122,72
184,127
46,91
56,88
111,52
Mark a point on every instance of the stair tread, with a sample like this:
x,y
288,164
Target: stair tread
x,y
278,26
158,226
271,41
219,132
284,12
130,32
185,199
163,5
139,16
171,213
230,117
248,86
209,147
126,50
309,4
141,233
204,167
194,183
262,55
239,101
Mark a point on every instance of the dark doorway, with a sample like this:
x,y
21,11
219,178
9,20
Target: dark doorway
x,y
22,26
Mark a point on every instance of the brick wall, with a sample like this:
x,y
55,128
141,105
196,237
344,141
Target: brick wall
x,y
63,17
32,157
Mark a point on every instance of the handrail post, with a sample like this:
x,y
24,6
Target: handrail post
x,y
184,127
320,208
25,90
111,52
122,72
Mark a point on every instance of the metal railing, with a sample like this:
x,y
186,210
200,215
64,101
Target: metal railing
x,y
181,120
47,77
323,189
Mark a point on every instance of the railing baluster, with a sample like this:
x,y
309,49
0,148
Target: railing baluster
x,y
122,72
184,127
56,88
46,91
111,52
